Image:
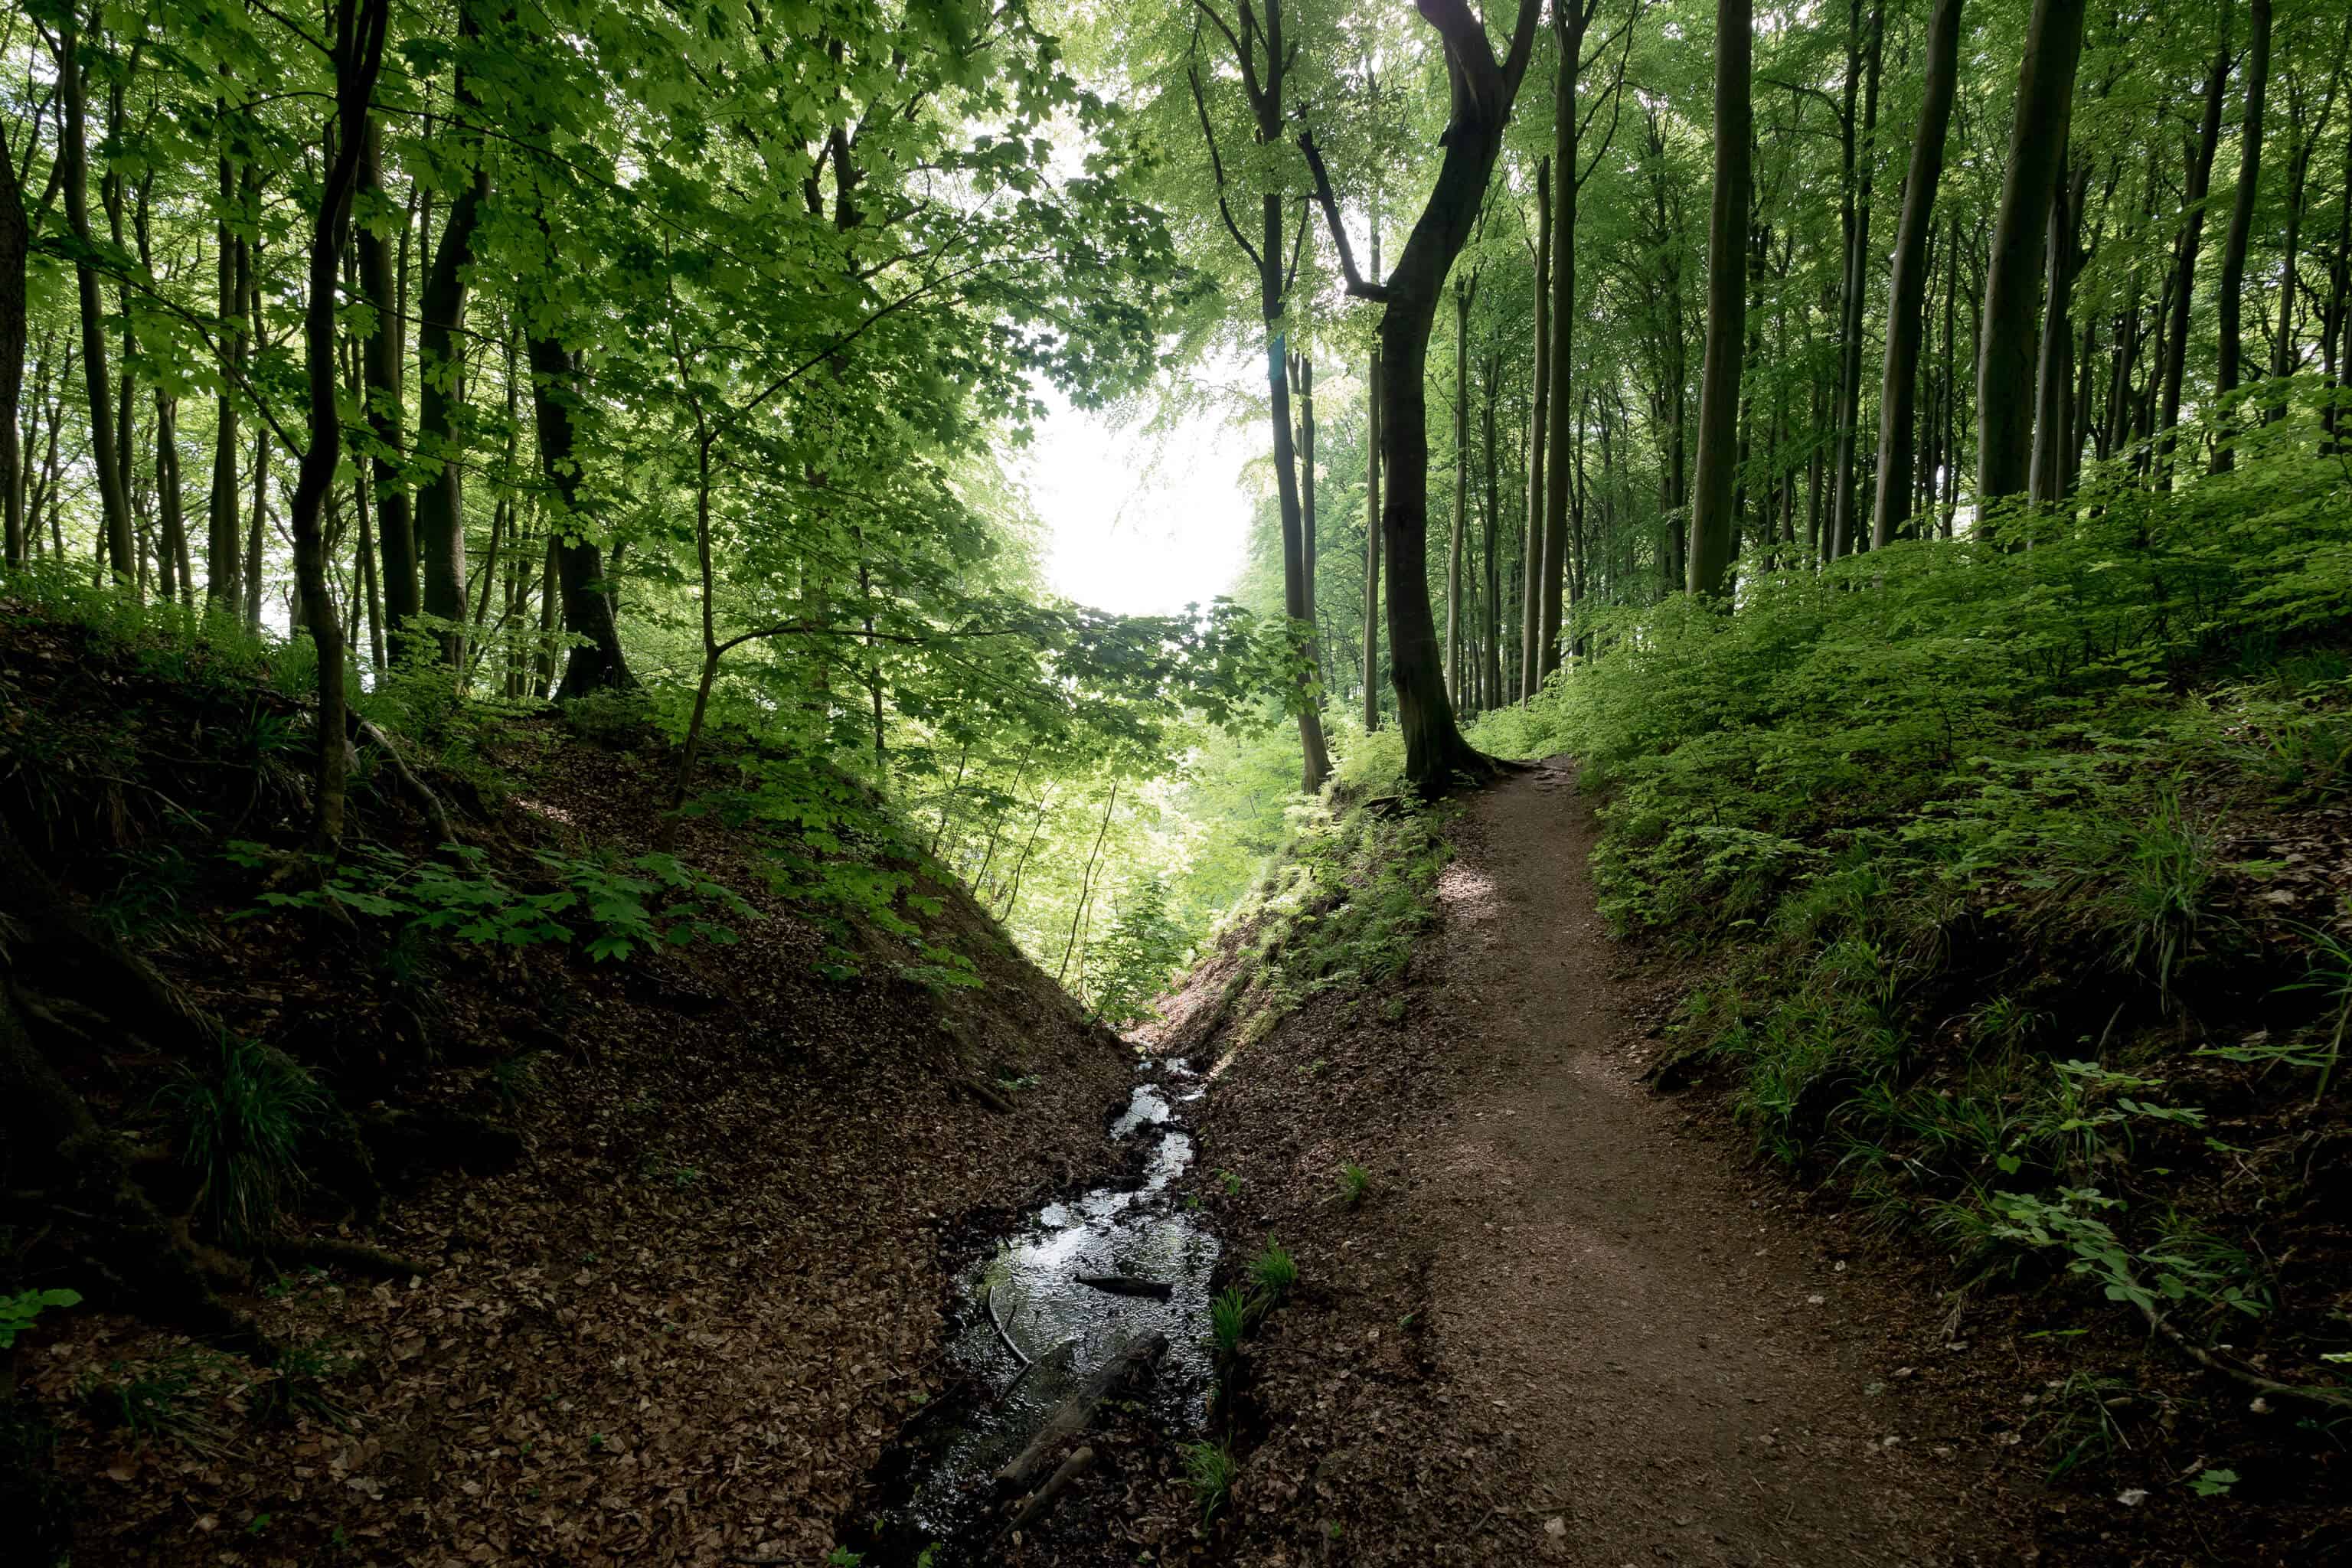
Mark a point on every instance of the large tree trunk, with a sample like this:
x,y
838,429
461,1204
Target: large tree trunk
x,y
1531,669
597,665
2197,186
2007,346
1570,21
1315,756
358,57
2242,226
1907,290
73,151
1716,477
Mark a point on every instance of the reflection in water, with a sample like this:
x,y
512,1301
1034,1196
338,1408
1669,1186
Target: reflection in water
x,y
1067,1330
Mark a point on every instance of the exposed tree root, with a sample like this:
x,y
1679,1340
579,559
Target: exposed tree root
x,y
2334,1400
435,817
329,1252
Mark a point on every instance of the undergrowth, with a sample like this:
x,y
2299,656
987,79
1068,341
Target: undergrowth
x,y
2005,861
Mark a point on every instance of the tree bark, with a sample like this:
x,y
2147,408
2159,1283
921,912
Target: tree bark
x,y
1531,669
1372,404
2006,344
73,150
16,247
1717,476
2242,228
597,665
358,56
381,356
1907,290
2053,414
1483,90
1456,680
1843,498
2197,187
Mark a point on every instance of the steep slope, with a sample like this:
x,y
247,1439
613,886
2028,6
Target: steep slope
x,y
658,1262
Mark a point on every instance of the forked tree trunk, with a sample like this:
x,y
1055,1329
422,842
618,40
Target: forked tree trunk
x,y
1907,291
2007,346
1483,91
1716,480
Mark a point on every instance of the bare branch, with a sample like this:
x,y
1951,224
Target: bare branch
x,y
1217,166
1358,287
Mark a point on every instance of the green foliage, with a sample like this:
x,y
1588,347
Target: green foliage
x,y
1932,800
1355,1182
1129,967
1210,1470
297,1388
241,1127
622,906
1273,1271
1231,1313
18,1311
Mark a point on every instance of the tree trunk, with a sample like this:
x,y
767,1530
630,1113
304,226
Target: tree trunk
x,y
358,56
2242,226
440,541
1570,21
2197,187
1372,444
597,665
1456,680
2053,417
1716,477
380,358
1531,669
2006,344
1843,522
223,558
1907,290
73,151
1491,668
16,245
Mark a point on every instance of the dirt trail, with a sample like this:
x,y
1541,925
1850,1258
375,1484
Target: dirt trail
x,y
1692,1379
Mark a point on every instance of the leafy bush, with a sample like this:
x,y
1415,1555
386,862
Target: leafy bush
x,y
18,1311
1131,965
1941,802
1209,1469
625,906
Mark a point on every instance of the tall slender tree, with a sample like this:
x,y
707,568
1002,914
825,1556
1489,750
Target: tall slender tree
x,y
1715,479
1907,306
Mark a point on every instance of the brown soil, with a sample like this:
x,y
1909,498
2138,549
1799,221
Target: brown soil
x,y
682,1325
1566,1326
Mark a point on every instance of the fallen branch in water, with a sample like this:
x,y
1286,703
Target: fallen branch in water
x,y
1127,1284
988,1299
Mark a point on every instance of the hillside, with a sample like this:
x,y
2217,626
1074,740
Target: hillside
x,y
632,1254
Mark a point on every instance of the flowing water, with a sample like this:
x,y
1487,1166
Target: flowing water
x,y
1027,1291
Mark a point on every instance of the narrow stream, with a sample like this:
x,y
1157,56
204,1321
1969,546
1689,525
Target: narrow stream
x,y
1028,1291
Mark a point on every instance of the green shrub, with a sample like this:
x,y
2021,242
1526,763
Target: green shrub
x,y
1130,966
1209,1469
241,1127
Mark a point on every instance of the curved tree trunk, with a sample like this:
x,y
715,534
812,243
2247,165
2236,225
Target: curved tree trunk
x,y
2007,346
1907,290
1715,482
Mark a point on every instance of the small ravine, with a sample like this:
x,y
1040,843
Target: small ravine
x,y
1027,1291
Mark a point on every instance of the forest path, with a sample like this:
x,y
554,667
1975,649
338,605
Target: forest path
x,y
1696,1376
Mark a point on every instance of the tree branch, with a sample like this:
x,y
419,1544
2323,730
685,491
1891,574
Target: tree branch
x,y
1357,286
1217,168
